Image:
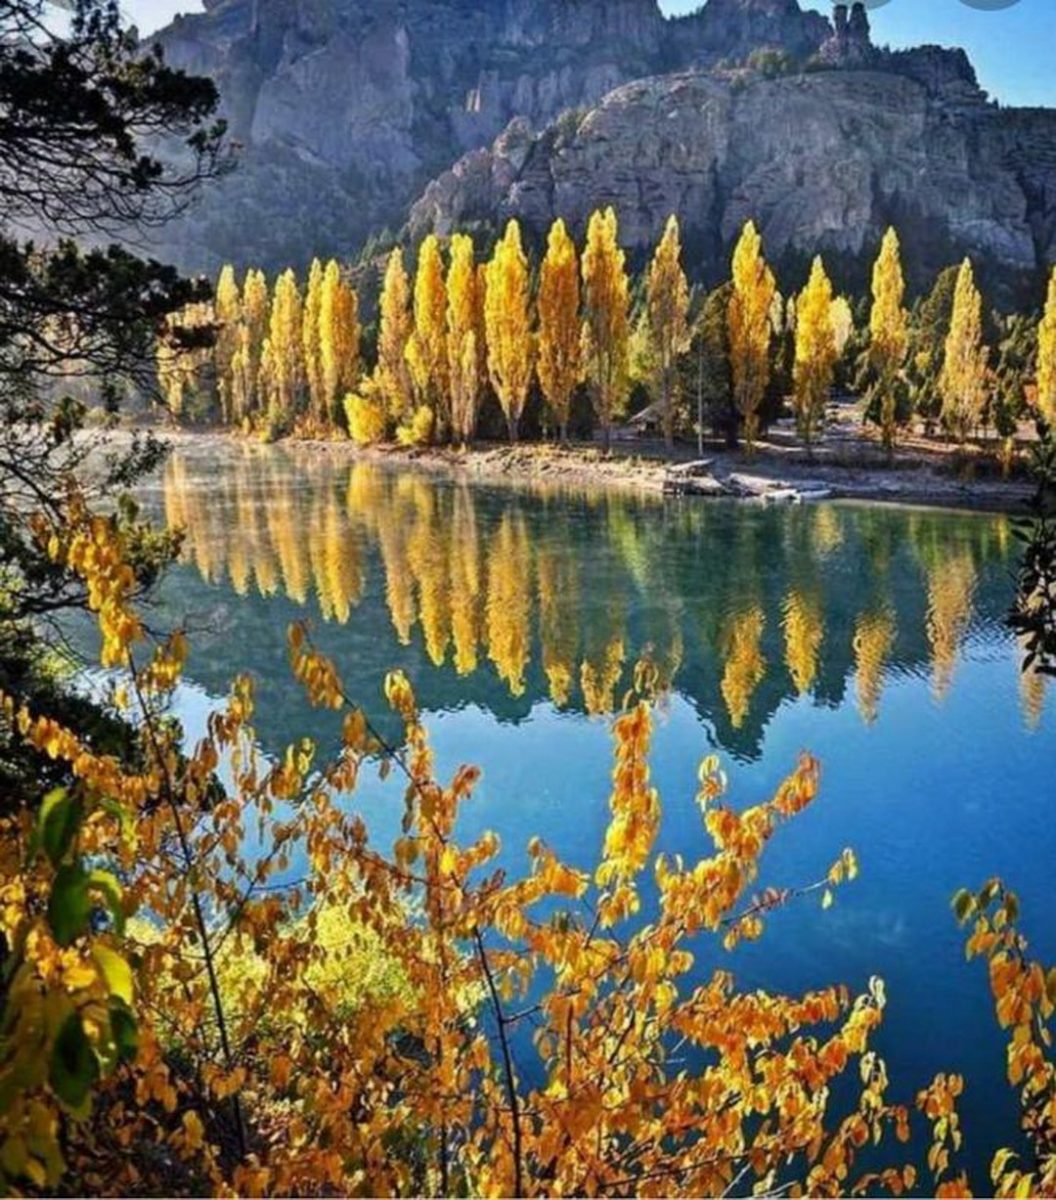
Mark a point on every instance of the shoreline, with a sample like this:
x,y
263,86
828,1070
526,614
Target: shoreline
x,y
913,480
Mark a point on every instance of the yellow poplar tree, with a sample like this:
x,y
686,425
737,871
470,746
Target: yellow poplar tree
x,y
963,381
750,329
1047,358
507,321
228,308
256,307
842,322
339,336
606,321
286,337
266,378
462,350
668,309
888,332
815,360
311,334
394,334
242,387
481,327
560,363
427,349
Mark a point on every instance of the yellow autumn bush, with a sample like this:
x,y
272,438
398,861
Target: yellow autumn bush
x,y
367,422
417,429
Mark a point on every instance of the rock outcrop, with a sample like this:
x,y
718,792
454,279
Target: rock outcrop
x,y
728,31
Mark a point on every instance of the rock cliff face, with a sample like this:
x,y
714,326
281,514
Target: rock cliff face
x,y
345,110
822,161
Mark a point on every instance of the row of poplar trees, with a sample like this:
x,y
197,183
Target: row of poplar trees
x,y
461,332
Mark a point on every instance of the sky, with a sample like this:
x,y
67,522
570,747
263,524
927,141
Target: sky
x,y
1011,42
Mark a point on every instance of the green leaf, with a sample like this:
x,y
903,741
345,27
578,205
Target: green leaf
x,y
116,972
73,1065
69,907
58,823
124,1031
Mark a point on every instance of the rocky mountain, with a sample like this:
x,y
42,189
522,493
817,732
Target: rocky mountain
x,y
822,161
343,110
353,116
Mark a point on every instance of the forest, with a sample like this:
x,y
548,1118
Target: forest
x,y
575,341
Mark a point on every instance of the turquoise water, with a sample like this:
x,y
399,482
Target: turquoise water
x,y
873,637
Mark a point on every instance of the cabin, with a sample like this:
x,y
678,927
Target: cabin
x,y
649,423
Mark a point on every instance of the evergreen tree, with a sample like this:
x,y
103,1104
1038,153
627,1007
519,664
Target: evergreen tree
x,y
928,327
706,369
1017,354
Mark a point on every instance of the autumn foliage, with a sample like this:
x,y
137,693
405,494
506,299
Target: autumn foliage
x,y
181,1018
750,328
482,340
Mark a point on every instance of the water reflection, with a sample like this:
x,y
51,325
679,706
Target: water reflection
x,y
873,637
556,593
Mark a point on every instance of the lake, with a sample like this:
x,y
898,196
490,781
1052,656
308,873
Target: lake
x,y
872,636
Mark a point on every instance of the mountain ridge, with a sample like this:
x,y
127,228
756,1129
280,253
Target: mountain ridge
x,y
354,117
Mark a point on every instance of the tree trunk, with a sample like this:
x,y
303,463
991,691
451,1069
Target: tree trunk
x,y
700,405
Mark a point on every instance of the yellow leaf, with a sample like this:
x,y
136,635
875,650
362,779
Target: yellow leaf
x,y
193,1130
116,972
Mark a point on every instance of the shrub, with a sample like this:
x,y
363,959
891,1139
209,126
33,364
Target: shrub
x,y
365,414
771,63
417,428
